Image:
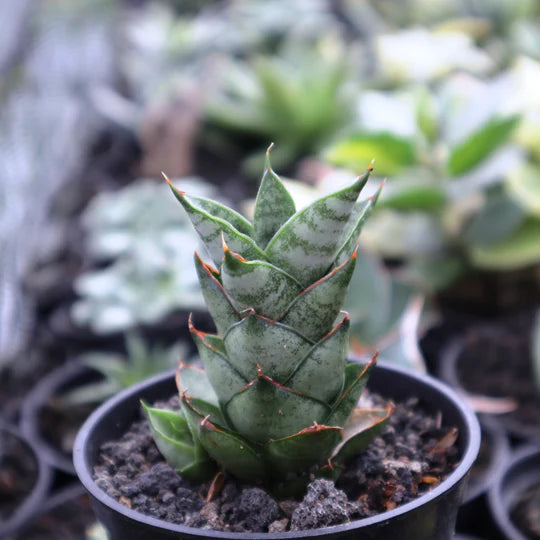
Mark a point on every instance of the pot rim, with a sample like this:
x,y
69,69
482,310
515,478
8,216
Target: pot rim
x,y
29,505
499,510
36,400
472,438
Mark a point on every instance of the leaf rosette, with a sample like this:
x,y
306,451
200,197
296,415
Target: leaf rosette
x,y
277,398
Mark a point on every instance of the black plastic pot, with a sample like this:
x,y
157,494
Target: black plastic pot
x,y
34,499
521,473
430,517
474,515
65,377
448,372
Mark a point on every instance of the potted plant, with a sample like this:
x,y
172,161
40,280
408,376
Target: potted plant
x,y
277,403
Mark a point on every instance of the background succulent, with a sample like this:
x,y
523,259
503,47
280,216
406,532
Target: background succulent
x,y
148,245
277,397
302,97
120,371
451,204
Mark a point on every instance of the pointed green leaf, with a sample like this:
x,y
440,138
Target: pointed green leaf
x,y
211,229
273,206
356,377
321,373
308,243
239,222
223,377
478,146
232,452
256,341
173,438
392,154
193,416
194,383
314,312
265,409
221,310
258,285
362,210
361,428
311,446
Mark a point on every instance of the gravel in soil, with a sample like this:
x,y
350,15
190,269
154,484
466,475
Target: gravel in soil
x,y
499,364
18,472
411,456
526,513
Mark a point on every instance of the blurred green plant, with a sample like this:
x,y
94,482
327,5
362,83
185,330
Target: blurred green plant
x,y
302,97
120,371
459,196
149,245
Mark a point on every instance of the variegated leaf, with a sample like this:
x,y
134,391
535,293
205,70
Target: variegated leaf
x,y
223,377
308,242
356,377
321,373
258,285
256,340
174,440
233,453
193,382
314,311
361,428
273,206
362,210
211,229
218,303
265,409
311,446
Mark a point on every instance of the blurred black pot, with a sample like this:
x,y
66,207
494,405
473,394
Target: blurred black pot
x,y
33,500
521,474
450,368
473,515
41,405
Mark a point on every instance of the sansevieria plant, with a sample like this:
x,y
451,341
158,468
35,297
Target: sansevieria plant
x,y
277,400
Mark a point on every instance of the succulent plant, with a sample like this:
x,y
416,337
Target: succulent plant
x,y
302,97
460,198
277,398
149,247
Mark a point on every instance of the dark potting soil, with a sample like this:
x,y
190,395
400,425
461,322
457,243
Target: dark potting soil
x,y
526,513
18,472
499,364
412,455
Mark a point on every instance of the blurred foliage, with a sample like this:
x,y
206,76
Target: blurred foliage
x,y
300,97
149,244
121,371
